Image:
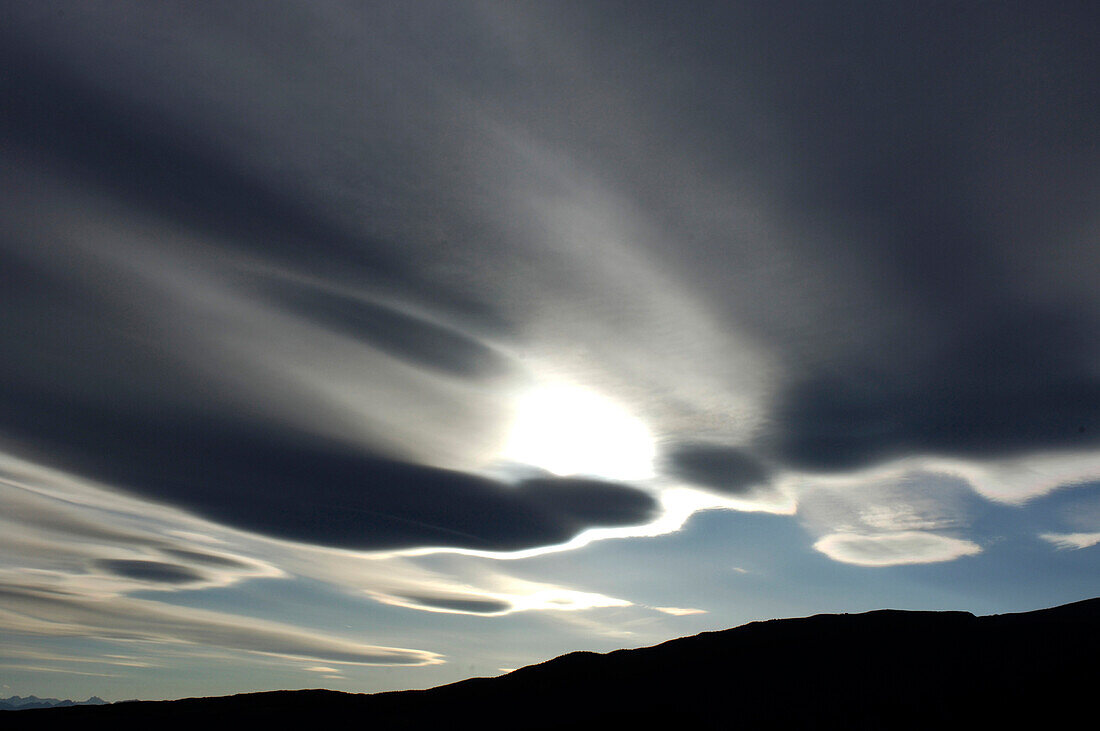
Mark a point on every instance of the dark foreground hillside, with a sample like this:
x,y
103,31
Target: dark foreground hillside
x,y
879,670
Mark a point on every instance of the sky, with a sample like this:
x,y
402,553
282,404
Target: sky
x,y
374,346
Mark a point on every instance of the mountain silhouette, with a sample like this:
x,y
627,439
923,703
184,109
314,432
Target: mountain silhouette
x,y
20,703
884,669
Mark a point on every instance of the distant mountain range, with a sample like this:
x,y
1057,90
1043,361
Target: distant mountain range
x,y
19,703
879,670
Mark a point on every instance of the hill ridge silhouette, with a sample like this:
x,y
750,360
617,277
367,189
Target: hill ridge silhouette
x,y
877,670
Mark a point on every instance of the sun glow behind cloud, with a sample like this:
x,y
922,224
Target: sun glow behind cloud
x,y
569,430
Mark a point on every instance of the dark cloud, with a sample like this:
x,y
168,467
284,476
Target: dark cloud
x,y
301,487
896,202
830,424
205,559
140,155
934,164
724,469
473,606
154,571
589,502
414,339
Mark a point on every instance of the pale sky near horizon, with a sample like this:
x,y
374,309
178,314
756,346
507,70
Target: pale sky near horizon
x,y
373,346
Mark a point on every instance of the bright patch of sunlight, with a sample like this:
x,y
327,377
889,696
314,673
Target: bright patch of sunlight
x,y
568,430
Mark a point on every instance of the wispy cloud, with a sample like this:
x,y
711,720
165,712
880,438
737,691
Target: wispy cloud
x,y
1072,540
680,611
27,611
63,671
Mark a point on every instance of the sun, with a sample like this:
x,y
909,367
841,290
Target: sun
x,y
570,430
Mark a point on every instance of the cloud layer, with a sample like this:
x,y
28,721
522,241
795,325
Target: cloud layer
x,y
51,614
288,282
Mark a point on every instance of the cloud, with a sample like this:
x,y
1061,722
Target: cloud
x,y
727,470
680,611
939,327
45,613
897,497
91,542
24,654
204,558
1071,540
1019,479
296,294
894,549
592,502
834,425
154,571
64,537
315,490
415,339
66,671
889,516
487,592
135,152
460,605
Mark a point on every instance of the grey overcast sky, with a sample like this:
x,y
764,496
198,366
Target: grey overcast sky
x,y
374,345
